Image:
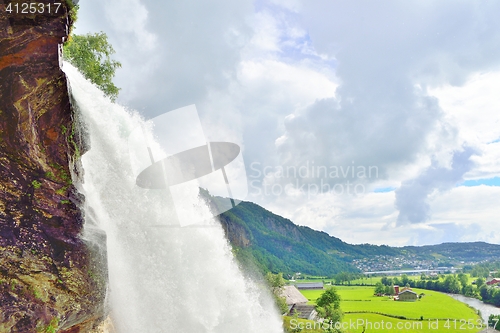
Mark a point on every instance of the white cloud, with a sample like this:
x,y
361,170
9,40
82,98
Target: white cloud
x,y
474,109
266,36
461,214
395,85
131,17
296,85
292,5
412,197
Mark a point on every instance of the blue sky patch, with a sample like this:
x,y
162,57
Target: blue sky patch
x,y
476,182
384,189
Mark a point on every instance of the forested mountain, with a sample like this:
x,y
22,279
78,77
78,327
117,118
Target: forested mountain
x,y
274,243
476,251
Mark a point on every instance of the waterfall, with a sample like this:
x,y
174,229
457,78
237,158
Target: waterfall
x,y
179,280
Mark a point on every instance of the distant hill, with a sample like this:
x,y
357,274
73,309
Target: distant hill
x,y
274,243
476,251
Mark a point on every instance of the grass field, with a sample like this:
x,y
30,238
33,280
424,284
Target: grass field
x,y
373,323
381,324
304,324
364,309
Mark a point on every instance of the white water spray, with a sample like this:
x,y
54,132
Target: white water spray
x,y
179,280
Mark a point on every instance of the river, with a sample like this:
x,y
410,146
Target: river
x,y
486,309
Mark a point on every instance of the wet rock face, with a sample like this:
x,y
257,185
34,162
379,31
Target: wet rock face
x,y
49,277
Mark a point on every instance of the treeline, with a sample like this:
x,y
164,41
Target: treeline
x,y
484,270
453,284
490,295
346,277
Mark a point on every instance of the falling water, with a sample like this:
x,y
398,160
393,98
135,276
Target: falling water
x,y
180,280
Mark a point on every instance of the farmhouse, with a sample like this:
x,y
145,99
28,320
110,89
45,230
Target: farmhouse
x,y
292,296
492,282
407,295
297,303
304,311
310,285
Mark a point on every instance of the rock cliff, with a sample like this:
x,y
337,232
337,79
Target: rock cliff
x,y
51,280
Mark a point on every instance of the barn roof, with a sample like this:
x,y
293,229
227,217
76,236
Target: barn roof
x,y
293,295
310,285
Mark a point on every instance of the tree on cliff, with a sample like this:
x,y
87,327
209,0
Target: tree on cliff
x,y
276,283
91,53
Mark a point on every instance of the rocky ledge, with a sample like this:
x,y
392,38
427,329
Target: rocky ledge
x,y
51,280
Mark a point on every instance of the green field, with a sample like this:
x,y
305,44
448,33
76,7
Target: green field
x,y
377,323
373,323
361,308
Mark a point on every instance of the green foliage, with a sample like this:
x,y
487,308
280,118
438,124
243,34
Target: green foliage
x,y
493,321
483,270
62,174
73,14
61,191
329,297
342,277
379,288
287,324
328,306
91,54
51,327
278,245
295,325
463,278
37,294
71,141
490,295
36,184
404,280
13,284
450,283
276,283
389,290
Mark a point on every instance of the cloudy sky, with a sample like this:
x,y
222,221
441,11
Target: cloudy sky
x,y
377,122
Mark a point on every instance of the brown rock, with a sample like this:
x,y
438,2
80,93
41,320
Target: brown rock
x,y
49,277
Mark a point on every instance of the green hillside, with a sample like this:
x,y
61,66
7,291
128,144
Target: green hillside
x,y
476,251
273,243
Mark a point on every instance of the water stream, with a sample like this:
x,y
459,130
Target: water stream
x,y
486,309
161,280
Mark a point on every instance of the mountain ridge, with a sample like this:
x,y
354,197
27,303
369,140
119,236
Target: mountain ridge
x,y
274,243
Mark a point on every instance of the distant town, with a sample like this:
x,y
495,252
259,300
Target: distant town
x,y
384,264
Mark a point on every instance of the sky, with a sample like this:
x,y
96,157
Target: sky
x,y
376,122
